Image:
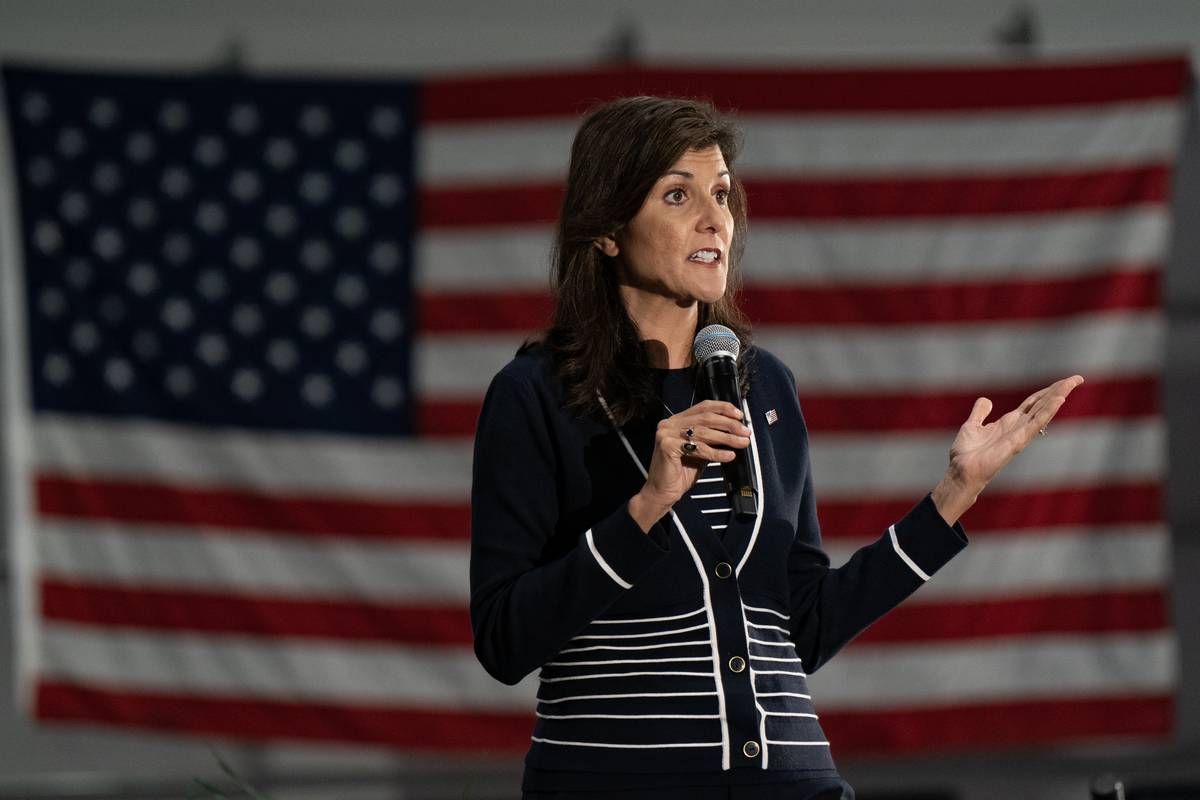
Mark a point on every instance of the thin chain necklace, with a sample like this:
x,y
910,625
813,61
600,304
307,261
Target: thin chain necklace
x,y
691,402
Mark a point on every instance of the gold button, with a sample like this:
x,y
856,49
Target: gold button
x,y
751,749
737,664
723,570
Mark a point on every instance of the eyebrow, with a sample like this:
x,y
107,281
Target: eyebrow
x,y
690,176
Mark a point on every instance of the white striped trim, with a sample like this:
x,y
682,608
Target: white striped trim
x,y
633,646
612,573
765,658
714,510
702,573
627,661
603,675
748,420
768,644
627,696
790,714
799,744
904,556
779,672
769,628
633,716
782,616
646,619
627,746
642,635
719,527
709,480
714,463
785,694
707,496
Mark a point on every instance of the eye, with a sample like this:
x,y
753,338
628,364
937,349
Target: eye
x,y
676,196
722,196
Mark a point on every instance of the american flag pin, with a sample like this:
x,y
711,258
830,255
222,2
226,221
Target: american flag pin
x,y
772,417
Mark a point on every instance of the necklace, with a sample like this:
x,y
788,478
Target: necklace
x,y
691,402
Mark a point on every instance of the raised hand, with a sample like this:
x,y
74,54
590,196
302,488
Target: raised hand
x,y
981,449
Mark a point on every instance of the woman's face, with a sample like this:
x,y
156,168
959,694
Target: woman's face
x,y
677,245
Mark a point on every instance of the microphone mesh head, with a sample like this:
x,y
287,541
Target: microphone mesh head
x,y
715,339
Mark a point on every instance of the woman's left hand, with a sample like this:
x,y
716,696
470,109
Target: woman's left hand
x,y
980,450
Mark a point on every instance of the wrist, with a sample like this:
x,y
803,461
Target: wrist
x,y
646,510
952,497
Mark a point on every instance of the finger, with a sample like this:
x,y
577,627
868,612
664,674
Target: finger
x,y
720,407
720,423
707,452
980,411
711,436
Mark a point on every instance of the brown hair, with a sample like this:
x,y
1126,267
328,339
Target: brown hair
x,y
621,150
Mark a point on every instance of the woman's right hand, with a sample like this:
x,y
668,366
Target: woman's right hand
x,y
672,472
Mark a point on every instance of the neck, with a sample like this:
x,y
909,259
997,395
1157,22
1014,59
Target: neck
x,y
667,329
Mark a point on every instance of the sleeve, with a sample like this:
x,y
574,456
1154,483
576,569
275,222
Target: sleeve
x,y
830,606
524,607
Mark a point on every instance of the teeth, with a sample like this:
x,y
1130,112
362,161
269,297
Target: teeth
x,y
707,256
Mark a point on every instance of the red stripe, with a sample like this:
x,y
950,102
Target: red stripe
x,y
957,727
858,198
1067,613
150,501
962,726
225,612
805,305
410,728
996,510
879,411
879,89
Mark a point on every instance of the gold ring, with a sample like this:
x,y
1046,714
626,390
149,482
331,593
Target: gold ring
x,y
689,447
1042,432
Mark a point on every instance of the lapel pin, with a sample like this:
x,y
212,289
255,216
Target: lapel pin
x,y
772,417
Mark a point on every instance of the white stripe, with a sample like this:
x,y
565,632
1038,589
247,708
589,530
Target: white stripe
x,y
612,573
634,647
785,694
275,667
19,451
996,354
641,635
627,716
904,556
719,527
747,417
715,510
628,746
625,696
931,674
770,644
783,617
841,143
799,744
1010,563
703,574
621,661
152,555
711,480
1006,247
769,627
790,714
707,496
1077,452
603,676
647,619
779,672
772,658
316,464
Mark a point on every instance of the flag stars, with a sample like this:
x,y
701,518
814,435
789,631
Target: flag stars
x,y
385,122
281,220
142,279
175,182
315,187
351,357
384,257
177,314
85,337
74,207
56,369
315,255
246,384
140,147
71,143
35,107
282,355
118,373
108,243
143,214
316,322
245,252
280,153
212,285
211,217
244,119
174,116
387,392
317,390
104,113
386,324
349,155
245,185
386,189
350,222
281,288
212,349
315,120
350,290
47,237
246,319
209,151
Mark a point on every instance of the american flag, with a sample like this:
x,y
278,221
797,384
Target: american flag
x,y
250,323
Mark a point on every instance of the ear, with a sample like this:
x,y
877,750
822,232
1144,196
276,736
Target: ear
x,y
608,246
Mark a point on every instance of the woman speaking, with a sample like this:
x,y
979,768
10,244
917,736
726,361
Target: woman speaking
x,y
673,624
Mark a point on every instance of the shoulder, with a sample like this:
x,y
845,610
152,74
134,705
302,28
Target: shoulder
x,y
531,366
769,368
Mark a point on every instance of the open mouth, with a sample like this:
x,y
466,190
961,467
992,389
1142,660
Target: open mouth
x,y
707,255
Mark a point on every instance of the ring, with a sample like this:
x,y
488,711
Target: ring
x,y
688,433
689,447
1041,432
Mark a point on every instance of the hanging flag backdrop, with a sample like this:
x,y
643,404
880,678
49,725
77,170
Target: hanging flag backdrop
x,y
254,320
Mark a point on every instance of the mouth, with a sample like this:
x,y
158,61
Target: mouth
x,y
709,256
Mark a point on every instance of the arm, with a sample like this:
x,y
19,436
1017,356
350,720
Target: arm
x,y
524,608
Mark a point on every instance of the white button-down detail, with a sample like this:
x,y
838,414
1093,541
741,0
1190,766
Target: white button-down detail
x,y
904,556
612,573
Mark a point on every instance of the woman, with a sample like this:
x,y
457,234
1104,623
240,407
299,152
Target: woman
x,y
674,636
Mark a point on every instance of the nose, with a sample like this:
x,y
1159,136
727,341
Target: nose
x,y
712,216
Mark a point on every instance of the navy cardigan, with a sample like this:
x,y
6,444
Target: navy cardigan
x,y
680,652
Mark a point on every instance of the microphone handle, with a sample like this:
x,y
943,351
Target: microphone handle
x,y
720,375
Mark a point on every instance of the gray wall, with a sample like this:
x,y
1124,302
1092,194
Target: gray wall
x,y
423,36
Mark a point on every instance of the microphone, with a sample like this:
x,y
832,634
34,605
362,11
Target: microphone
x,y
716,350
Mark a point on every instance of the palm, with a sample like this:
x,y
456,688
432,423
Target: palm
x,y
981,450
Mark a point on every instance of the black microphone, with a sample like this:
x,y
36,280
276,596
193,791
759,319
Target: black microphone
x,y
716,350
